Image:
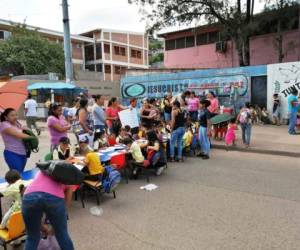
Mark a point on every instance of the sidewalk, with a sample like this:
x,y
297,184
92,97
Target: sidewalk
x,y
267,139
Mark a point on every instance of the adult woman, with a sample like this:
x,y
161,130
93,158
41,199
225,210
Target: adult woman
x,y
155,145
167,107
244,118
177,128
193,106
112,117
57,124
11,131
44,195
214,104
148,114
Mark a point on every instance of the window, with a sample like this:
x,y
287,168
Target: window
x,y
170,44
89,52
107,48
190,41
1,35
120,51
180,43
99,67
90,67
98,51
136,53
120,70
213,37
107,69
202,39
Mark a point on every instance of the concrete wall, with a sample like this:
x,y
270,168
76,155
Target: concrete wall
x,y
262,51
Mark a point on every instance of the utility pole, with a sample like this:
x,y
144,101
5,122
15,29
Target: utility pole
x,y
67,42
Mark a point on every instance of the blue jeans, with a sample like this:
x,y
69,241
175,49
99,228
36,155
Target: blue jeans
x,y
176,139
33,207
292,123
167,116
246,133
204,140
15,161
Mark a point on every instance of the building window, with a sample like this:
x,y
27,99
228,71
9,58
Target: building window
x,y
107,48
98,51
120,51
180,43
1,35
89,53
136,54
213,37
202,39
99,67
90,67
190,41
120,70
107,69
170,44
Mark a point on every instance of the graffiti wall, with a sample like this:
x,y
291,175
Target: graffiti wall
x,y
282,78
221,81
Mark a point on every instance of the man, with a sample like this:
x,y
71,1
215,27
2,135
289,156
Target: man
x,y
133,106
98,113
31,113
292,110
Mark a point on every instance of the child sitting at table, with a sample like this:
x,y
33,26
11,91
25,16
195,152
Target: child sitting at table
x,y
93,167
121,136
14,190
62,152
138,158
128,131
102,141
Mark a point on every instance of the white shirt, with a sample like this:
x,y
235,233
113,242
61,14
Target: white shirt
x,y
72,112
31,107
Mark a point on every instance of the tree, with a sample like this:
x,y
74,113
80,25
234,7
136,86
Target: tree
x,y
234,17
26,52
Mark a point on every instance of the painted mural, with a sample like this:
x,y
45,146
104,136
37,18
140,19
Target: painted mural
x,y
224,82
282,78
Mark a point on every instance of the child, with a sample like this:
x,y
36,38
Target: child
x,y
62,152
204,129
136,153
93,168
230,135
129,131
276,110
14,189
102,141
121,136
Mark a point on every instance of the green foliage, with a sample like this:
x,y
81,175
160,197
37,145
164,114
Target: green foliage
x,y
26,52
156,58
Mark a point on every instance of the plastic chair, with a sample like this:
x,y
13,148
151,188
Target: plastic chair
x,y
15,229
119,163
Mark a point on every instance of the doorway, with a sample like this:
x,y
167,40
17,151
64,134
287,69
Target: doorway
x,y
259,91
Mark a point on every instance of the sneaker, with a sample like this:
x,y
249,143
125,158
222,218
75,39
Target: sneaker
x,y
200,154
205,157
159,171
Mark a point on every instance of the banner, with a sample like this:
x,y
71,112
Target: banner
x,y
282,78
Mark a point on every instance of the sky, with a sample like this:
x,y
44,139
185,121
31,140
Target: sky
x,y
84,15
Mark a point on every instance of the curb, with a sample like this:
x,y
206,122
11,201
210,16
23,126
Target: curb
x,y
258,151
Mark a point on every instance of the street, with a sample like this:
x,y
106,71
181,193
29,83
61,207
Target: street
x,y
233,201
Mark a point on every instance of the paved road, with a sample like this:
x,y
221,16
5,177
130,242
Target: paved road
x,y
233,201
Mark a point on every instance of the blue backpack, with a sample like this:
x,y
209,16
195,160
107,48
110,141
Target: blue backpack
x,y
111,179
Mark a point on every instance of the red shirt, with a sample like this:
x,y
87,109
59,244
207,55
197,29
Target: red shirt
x,y
112,112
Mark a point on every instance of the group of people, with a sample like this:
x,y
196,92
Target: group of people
x,y
168,129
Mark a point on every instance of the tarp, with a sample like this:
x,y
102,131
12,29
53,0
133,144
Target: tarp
x,y
13,94
53,85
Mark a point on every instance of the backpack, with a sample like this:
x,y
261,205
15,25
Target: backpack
x,y
62,172
31,144
111,179
244,117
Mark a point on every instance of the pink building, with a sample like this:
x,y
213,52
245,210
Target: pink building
x,y
202,47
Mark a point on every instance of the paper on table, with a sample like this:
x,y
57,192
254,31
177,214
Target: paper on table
x,y
129,117
149,187
79,166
